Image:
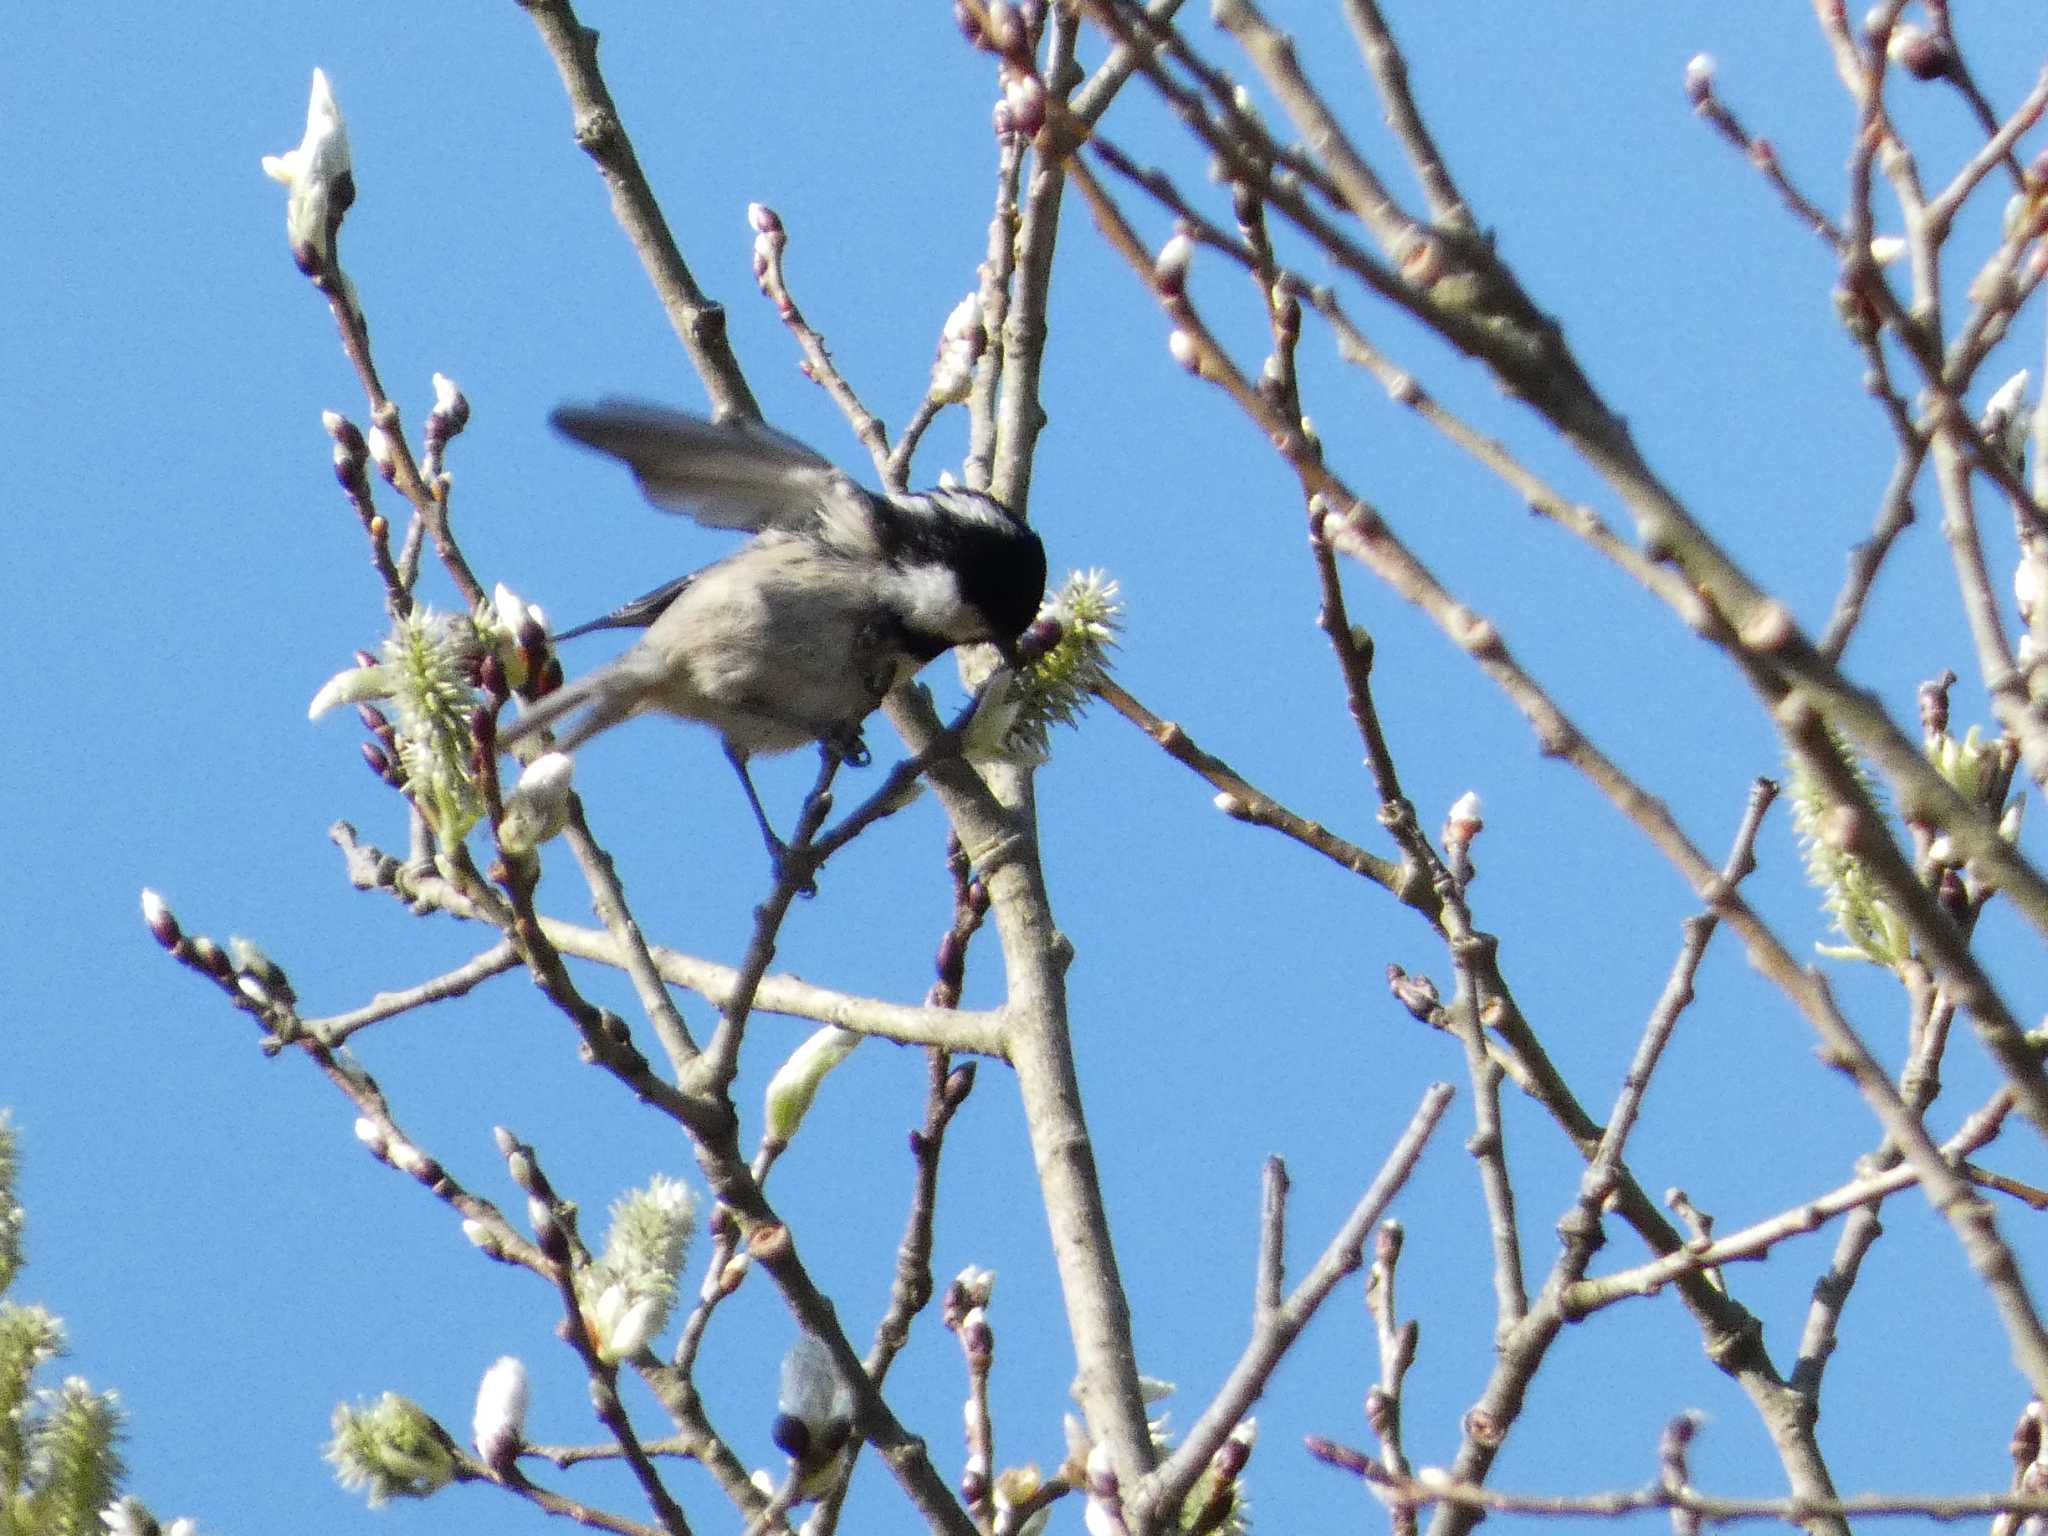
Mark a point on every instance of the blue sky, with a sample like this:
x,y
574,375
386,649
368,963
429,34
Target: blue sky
x,y
185,575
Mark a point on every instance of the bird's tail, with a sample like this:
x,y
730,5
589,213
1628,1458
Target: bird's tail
x,y
603,698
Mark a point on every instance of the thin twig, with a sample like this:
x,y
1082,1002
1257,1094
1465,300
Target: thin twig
x,y
1274,1334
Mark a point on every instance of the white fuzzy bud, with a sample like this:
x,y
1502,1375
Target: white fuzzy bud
x,y
499,1424
1170,266
378,441
538,807
1463,822
961,341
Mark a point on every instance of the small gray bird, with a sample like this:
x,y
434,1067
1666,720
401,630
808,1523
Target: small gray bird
x,y
840,594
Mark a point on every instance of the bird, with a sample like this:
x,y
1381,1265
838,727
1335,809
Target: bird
x,y
838,594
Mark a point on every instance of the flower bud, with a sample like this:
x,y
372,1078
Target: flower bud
x,y
538,808
1922,54
1170,266
1024,97
1463,823
211,957
451,410
795,1083
1699,78
499,1423
1416,993
320,178
163,926
378,441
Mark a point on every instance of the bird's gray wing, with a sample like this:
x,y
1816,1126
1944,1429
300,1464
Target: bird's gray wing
x,y
638,614
723,474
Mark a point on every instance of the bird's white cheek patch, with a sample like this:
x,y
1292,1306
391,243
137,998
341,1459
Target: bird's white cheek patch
x,y
931,602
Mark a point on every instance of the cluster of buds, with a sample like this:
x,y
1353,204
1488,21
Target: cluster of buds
x,y
195,950
518,657
381,751
390,1147
961,343
351,455
1004,26
541,1205
1010,29
970,1291
261,979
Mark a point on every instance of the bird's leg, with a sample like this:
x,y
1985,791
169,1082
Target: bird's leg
x,y
848,745
778,850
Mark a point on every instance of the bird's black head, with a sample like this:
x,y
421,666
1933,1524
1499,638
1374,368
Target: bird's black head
x,y
1002,576
990,567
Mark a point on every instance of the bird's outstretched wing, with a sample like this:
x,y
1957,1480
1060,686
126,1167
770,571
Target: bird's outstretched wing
x,y
722,474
